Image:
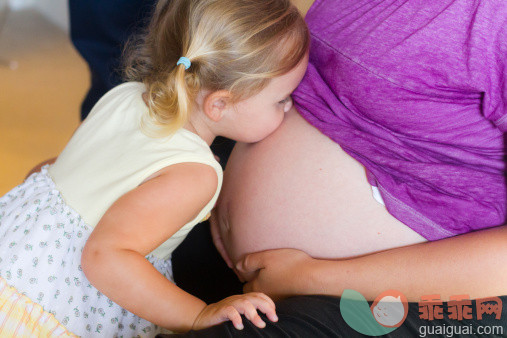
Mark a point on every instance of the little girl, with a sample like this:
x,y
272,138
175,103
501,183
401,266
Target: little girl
x,y
85,245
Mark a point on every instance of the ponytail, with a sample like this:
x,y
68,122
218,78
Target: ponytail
x,y
170,102
184,98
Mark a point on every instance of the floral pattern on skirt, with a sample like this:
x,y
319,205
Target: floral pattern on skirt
x,y
41,240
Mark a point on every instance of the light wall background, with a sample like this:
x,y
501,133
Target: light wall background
x,y
55,11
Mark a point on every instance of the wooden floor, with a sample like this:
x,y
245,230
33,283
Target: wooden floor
x,y
40,99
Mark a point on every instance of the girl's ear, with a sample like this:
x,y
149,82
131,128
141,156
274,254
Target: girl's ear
x,y
216,103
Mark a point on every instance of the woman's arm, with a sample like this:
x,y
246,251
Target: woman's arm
x,y
138,222
470,264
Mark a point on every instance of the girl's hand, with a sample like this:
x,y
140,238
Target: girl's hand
x,y
231,308
279,273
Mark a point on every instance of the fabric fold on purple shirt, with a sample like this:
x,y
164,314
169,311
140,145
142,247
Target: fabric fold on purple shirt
x,y
416,91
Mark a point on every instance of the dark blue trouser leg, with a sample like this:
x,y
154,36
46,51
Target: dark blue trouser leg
x,y
99,29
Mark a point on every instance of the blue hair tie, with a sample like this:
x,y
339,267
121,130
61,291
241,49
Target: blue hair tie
x,y
185,61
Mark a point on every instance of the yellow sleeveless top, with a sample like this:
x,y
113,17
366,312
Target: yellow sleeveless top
x,y
109,155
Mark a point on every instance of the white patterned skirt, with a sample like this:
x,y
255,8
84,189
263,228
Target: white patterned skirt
x,y
41,240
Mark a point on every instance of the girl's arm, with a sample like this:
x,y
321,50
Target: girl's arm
x,y
472,264
138,222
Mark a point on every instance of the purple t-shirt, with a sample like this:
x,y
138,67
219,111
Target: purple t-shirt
x,y
416,91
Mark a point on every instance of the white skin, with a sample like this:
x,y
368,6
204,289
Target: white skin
x,y
139,221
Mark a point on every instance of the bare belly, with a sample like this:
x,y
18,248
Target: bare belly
x,y
298,189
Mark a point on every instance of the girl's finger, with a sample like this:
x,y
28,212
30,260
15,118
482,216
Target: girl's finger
x,y
250,311
265,297
233,315
266,307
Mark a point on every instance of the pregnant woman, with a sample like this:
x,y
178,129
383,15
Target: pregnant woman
x,y
389,173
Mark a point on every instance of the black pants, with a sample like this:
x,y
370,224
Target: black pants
x,y
319,316
303,316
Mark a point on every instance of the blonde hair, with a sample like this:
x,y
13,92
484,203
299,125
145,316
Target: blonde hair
x,y
233,45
